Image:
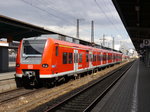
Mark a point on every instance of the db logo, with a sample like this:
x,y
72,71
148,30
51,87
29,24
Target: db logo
x,y
30,66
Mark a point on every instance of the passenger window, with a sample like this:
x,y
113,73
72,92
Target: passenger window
x,y
87,58
94,57
56,50
80,58
70,58
104,57
65,58
97,57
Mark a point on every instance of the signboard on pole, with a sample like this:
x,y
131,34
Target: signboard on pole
x,y
146,42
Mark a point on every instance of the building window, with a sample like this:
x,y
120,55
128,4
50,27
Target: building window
x,y
70,58
65,58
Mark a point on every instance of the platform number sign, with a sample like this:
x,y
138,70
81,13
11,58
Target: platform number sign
x,y
146,42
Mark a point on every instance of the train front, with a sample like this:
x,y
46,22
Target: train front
x,y
28,62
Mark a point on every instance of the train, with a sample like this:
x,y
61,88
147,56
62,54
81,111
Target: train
x,y
45,61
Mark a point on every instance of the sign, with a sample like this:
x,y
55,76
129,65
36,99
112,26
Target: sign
x,y
146,42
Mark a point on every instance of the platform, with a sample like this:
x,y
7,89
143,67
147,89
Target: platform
x,y
130,94
7,75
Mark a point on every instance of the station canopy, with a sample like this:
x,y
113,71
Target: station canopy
x,y
17,30
135,15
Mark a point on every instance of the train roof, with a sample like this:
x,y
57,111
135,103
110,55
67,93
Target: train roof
x,y
83,46
73,42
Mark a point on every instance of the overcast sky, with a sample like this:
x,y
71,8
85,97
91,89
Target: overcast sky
x,y
61,16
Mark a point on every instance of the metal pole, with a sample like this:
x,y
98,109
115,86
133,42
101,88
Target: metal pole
x,y
113,43
77,28
104,40
92,31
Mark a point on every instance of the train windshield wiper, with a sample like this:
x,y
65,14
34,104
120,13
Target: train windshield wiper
x,y
27,57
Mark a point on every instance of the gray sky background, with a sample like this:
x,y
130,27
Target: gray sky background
x,y
61,16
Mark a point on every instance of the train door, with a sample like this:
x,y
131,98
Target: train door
x,y
106,58
75,60
101,58
90,60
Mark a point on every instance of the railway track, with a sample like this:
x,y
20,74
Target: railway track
x,y
85,99
8,96
7,79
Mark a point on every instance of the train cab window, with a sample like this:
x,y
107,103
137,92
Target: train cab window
x,y
70,58
80,58
56,50
65,58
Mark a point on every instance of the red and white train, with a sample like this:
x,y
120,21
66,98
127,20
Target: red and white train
x,y
48,60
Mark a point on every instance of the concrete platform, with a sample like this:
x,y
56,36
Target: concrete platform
x,y
7,75
7,81
130,94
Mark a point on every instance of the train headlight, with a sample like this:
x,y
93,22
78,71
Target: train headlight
x,y
17,65
45,65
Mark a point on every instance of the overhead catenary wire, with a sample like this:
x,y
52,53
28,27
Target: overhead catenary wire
x,y
60,12
26,2
113,16
68,18
101,9
107,17
51,14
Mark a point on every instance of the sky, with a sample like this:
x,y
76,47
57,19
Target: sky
x,y
61,16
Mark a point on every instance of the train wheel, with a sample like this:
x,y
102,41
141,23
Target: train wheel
x,y
75,76
49,83
67,79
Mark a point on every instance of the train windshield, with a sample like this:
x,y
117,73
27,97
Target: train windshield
x,y
33,47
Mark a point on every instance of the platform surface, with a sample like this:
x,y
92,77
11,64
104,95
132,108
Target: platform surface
x,y
7,75
130,94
